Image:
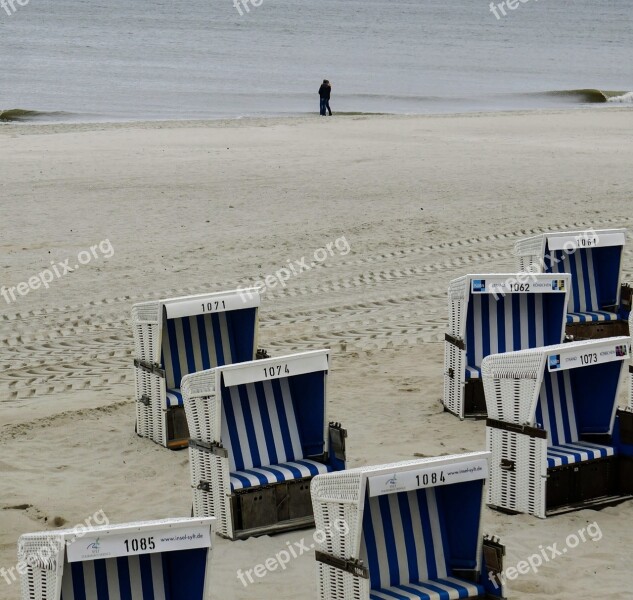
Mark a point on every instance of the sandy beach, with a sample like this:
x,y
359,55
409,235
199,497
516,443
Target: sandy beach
x,y
187,207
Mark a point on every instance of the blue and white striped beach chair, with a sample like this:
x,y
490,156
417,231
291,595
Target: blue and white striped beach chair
x,y
175,337
599,305
409,530
558,441
492,313
259,434
152,560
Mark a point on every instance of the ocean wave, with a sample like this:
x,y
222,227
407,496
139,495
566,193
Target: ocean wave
x,y
623,98
22,115
591,96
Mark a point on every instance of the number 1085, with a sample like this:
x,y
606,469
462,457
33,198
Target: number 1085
x,y
137,544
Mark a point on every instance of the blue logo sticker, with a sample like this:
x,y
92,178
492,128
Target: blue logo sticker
x,y
554,362
479,285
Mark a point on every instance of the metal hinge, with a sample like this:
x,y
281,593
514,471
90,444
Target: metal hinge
x,y
149,367
210,447
355,567
507,465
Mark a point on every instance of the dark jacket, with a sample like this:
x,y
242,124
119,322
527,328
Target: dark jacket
x,y
325,90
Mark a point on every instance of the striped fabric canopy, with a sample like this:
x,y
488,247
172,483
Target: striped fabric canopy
x,y
584,302
192,344
556,413
261,433
511,322
405,546
141,577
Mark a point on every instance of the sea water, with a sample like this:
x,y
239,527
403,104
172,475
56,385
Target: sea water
x,y
167,59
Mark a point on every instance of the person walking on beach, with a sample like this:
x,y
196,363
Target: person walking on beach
x,y
324,94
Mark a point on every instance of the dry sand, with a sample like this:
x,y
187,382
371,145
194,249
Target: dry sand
x,y
194,206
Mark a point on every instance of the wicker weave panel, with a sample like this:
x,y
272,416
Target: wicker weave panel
x,y
43,575
202,406
334,584
529,253
146,328
206,466
523,489
454,359
458,289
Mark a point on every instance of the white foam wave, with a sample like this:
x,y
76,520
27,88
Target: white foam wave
x,y
623,99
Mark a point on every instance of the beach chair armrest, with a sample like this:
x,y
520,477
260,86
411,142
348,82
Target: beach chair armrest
x,y
355,567
625,422
337,441
467,574
534,432
626,298
493,551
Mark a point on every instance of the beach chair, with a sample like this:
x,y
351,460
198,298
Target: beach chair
x,y
408,530
558,441
599,303
491,313
141,561
259,434
178,336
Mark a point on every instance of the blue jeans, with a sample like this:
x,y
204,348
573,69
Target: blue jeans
x,y
324,103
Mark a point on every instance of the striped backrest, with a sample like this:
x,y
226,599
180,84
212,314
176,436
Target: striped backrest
x,y
138,577
507,323
259,424
584,294
192,344
555,410
403,538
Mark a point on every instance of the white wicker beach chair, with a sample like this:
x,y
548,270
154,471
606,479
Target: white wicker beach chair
x,y
259,434
599,304
135,561
409,530
493,313
178,336
558,441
